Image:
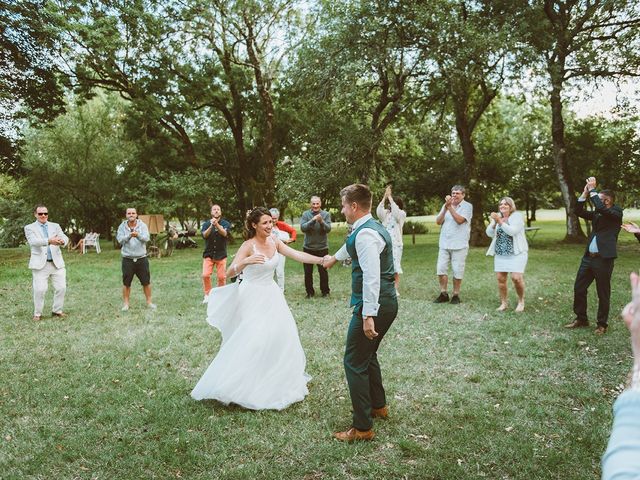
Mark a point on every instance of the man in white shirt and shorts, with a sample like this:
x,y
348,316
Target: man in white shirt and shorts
x,y
455,229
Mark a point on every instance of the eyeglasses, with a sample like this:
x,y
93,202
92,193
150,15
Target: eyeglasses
x,y
43,214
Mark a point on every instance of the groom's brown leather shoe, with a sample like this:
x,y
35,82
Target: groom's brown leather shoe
x,y
353,435
380,412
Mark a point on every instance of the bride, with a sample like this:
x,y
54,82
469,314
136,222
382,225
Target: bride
x,y
260,364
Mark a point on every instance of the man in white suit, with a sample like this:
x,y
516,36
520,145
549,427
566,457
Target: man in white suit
x,y
45,239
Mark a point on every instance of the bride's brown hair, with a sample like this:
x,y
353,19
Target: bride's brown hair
x,y
253,216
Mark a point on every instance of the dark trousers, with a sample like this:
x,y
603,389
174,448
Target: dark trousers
x,y
361,365
308,273
600,270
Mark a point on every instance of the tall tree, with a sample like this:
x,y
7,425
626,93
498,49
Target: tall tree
x,y
198,69
75,165
581,40
475,41
28,82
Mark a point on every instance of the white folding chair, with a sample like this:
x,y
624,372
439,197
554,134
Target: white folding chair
x,y
91,240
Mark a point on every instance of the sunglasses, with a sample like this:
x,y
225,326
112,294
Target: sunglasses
x,y
44,214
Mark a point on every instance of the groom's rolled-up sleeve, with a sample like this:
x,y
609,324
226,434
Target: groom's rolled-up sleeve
x,y
342,254
369,245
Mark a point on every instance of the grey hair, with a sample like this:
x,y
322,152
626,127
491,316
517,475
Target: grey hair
x,y
459,188
274,212
509,201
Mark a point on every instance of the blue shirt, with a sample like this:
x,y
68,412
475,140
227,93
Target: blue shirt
x,y
215,245
45,232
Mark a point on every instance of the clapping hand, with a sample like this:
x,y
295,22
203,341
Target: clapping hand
x,y
631,227
56,240
447,201
495,216
591,183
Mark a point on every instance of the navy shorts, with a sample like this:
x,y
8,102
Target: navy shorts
x,y
138,267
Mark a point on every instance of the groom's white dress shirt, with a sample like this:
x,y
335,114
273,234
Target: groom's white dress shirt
x,y
369,245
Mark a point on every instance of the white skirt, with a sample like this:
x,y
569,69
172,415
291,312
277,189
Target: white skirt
x,y
260,364
397,257
510,263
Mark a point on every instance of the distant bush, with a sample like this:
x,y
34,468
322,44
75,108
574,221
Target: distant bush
x,y
414,227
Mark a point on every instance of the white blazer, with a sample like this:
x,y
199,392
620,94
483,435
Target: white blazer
x,y
514,226
38,244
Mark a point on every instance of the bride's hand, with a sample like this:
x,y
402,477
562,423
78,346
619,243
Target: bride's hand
x,y
255,258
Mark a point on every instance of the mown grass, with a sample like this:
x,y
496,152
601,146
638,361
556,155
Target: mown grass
x,y
473,393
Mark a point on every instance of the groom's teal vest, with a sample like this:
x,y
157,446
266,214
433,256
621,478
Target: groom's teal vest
x,y
387,287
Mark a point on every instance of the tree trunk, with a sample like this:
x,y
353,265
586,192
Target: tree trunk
x,y
476,191
268,150
574,231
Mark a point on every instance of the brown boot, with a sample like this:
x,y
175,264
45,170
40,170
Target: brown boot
x,y
382,412
353,435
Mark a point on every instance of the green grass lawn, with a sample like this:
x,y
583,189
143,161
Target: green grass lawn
x,y
473,393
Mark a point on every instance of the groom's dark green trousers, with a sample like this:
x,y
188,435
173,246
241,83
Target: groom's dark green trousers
x,y
360,357
361,365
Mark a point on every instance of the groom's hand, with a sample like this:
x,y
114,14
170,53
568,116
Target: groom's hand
x,y
369,327
328,261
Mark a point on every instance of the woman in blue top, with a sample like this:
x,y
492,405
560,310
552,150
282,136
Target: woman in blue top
x,y
510,249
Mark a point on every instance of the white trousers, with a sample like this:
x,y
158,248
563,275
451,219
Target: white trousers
x,y
41,284
280,271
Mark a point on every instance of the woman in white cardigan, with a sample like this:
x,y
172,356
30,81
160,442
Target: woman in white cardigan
x,y
510,250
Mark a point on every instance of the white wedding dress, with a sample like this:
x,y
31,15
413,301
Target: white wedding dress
x,y
260,364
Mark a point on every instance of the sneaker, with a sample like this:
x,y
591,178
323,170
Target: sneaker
x,y
205,300
125,308
442,298
455,300
151,306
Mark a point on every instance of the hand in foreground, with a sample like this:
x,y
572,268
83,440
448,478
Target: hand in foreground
x,y
631,227
631,316
328,261
255,258
317,217
591,183
495,216
369,328
447,200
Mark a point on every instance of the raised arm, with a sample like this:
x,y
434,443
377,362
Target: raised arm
x,y
613,212
381,211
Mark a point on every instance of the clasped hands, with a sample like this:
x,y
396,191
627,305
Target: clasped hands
x,y
56,241
590,185
328,261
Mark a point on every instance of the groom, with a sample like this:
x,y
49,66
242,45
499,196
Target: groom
x,y
375,307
